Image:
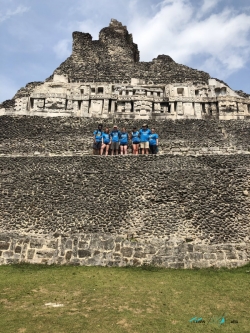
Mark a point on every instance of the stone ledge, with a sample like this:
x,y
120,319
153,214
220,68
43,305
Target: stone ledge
x,y
109,250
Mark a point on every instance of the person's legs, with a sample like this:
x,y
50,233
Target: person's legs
x,y
142,148
102,148
112,147
94,148
107,150
122,149
99,146
125,150
117,148
146,146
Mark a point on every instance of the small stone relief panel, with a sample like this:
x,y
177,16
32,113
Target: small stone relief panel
x,y
21,104
38,104
69,104
85,106
55,103
106,106
160,107
202,92
227,107
197,109
179,108
191,92
107,90
128,107
75,105
213,108
188,109
242,108
96,106
18,104
140,92
120,106
143,106
167,91
157,107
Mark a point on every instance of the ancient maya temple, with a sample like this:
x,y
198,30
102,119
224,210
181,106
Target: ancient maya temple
x,y
188,206
104,78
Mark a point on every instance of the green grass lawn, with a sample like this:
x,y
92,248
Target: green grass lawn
x,y
99,299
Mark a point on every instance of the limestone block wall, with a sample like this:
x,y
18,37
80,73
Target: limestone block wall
x,y
115,251
29,136
173,211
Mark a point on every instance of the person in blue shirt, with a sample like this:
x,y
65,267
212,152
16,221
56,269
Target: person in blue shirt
x,y
153,142
97,144
124,142
135,138
144,138
115,140
106,141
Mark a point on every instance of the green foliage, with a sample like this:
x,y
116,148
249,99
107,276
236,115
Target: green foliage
x,y
131,299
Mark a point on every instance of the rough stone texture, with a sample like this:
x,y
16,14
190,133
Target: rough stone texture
x,y
104,78
31,136
170,253
191,200
187,207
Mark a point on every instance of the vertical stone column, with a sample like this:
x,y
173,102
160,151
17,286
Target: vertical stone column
x,y
179,108
197,110
105,109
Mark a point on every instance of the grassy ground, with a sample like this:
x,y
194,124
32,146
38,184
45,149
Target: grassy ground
x,y
97,299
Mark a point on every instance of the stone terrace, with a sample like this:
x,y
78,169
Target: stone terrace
x,y
25,135
204,199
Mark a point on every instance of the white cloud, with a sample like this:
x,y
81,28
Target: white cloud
x,y
221,39
62,49
207,6
9,13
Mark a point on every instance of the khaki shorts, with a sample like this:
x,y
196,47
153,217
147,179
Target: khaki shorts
x,y
144,145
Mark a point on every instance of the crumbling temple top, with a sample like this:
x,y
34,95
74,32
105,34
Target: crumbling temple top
x,y
105,78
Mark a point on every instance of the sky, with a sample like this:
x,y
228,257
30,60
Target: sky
x,y
209,35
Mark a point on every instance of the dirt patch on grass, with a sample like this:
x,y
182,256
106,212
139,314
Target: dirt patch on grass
x,y
123,323
22,330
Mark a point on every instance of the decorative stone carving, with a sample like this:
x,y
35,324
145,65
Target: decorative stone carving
x,y
227,106
143,106
120,106
197,109
157,107
55,103
179,108
96,106
128,107
106,106
188,109
242,108
109,70
70,104
38,104
85,107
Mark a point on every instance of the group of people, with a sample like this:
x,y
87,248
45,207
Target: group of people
x,y
117,140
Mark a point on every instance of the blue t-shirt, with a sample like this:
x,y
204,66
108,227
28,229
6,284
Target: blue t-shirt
x,y
144,134
106,138
98,135
124,138
135,137
115,135
152,139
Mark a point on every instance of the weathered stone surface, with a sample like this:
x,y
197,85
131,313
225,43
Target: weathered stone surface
x,y
104,78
